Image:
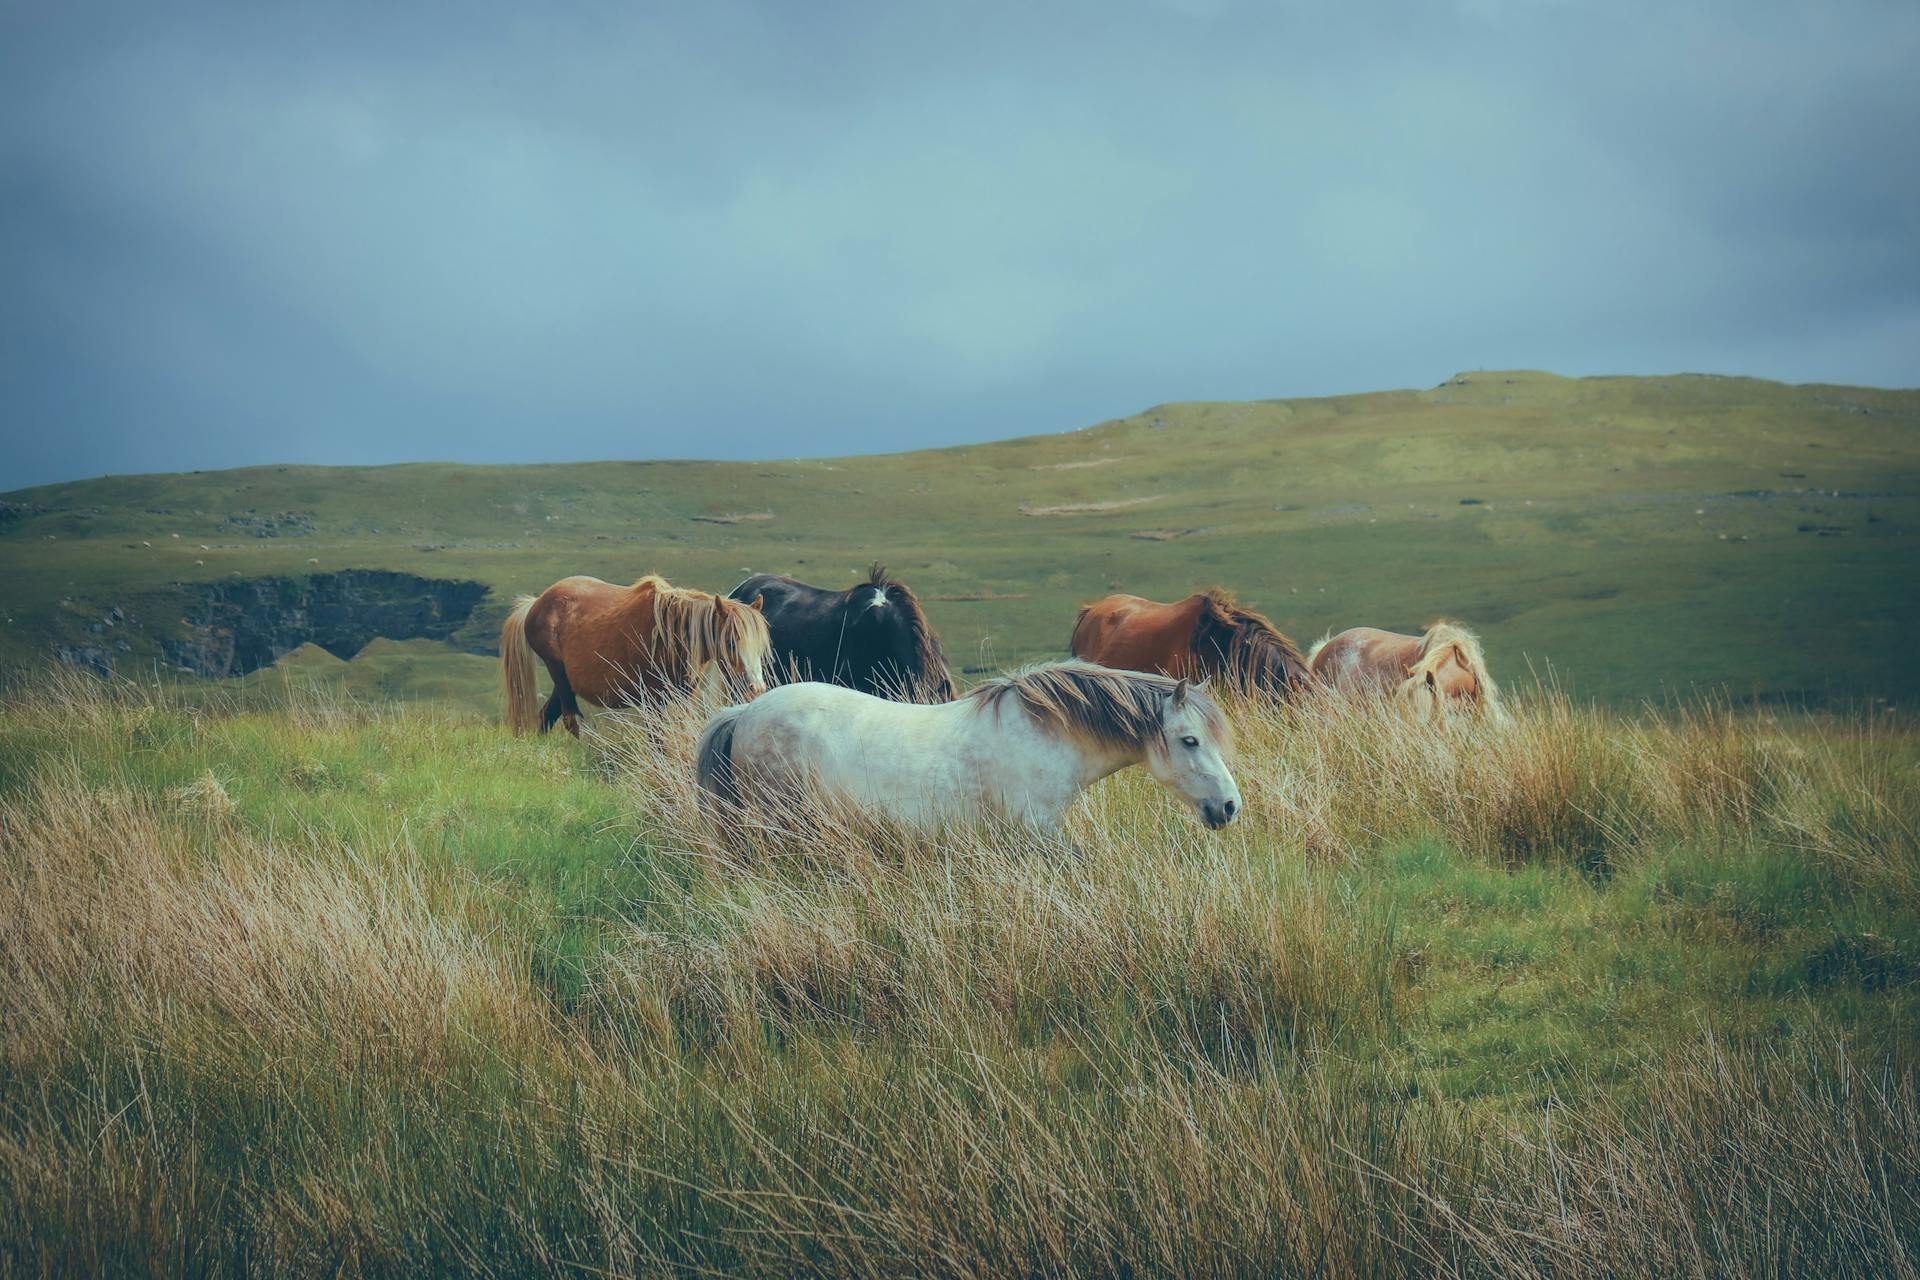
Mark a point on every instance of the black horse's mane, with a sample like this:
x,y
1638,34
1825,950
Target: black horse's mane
x,y
934,673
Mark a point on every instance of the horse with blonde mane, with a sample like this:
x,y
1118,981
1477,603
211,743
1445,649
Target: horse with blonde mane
x,y
615,645
1016,749
1207,635
1440,669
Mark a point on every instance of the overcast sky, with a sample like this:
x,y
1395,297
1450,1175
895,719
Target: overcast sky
x,y
357,233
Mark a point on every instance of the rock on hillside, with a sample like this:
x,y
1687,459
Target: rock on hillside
x,y
243,625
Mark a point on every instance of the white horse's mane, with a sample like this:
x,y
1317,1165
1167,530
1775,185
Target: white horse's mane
x,y
1100,704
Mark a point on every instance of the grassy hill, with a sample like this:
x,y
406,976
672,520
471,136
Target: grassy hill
x,y
1638,535
328,983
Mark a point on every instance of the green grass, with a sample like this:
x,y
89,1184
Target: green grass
x,y
318,971
385,671
297,982
1640,536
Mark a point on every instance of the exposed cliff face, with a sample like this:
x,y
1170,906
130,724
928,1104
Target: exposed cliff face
x,y
240,626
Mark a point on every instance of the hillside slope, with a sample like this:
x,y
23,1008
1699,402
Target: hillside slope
x,y
1639,535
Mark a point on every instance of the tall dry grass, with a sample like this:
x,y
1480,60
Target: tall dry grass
x,y
234,1046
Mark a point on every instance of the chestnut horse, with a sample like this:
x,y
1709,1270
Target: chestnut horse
x,y
1205,635
610,645
1439,669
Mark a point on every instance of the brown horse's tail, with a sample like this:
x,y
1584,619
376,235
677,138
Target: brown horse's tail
x,y
1079,620
516,670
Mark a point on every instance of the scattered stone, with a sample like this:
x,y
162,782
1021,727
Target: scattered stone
x,y
86,658
1088,508
287,524
12,512
732,517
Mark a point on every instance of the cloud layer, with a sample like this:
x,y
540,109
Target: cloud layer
x,y
371,233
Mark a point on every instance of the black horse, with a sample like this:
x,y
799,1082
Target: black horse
x,y
873,637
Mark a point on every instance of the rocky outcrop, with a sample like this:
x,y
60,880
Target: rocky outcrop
x,y
88,657
12,513
243,625
281,524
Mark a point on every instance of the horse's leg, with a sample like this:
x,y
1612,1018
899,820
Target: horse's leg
x,y
571,716
561,701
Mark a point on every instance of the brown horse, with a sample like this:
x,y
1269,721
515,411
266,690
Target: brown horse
x,y
1440,669
1205,635
611,645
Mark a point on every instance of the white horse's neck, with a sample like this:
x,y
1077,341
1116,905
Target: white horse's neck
x,y
1037,773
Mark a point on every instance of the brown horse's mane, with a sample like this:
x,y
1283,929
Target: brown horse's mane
x,y
1244,647
935,673
693,628
1095,703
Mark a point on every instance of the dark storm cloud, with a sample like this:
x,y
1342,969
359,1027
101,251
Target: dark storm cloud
x,y
348,234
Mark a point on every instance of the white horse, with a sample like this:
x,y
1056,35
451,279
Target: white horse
x,y
1018,748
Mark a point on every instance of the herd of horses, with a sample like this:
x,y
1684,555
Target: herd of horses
x,y
845,697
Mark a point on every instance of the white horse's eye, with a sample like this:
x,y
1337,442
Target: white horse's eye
x,y
1190,741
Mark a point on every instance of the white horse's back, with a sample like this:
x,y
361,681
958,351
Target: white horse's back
x,y
911,763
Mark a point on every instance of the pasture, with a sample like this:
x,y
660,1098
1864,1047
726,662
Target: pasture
x,y
299,984
319,969
1639,536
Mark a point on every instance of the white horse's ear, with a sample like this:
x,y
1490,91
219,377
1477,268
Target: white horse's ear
x,y
1180,693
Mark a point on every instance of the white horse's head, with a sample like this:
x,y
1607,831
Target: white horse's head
x,y
1190,759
